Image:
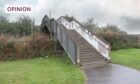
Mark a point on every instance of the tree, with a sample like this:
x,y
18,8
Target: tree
x,y
23,25
69,18
113,29
3,24
90,25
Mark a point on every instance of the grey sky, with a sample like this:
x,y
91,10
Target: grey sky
x,y
123,13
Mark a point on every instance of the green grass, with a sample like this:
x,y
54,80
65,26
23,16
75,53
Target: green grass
x,y
127,57
49,70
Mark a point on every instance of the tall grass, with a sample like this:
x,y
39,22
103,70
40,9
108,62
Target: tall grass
x,y
24,47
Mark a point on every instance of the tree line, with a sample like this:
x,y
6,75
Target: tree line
x,y
117,38
24,25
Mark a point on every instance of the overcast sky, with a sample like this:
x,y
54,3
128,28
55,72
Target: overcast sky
x,y
123,13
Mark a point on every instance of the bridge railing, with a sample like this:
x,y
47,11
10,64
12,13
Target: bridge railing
x,y
66,42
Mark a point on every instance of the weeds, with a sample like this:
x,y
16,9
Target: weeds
x,y
12,48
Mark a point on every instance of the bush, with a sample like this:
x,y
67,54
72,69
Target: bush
x,y
10,44
121,41
25,47
116,37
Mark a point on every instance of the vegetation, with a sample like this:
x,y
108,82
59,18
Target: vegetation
x,y
69,18
20,40
23,26
48,70
127,57
90,25
120,40
12,48
117,38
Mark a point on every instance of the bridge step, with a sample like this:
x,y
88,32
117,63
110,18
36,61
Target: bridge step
x,y
88,55
96,63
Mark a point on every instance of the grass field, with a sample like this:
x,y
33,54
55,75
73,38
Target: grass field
x,y
49,70
127,57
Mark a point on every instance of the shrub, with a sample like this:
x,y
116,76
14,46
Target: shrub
x,y
25,47
9,44
115,36
120,41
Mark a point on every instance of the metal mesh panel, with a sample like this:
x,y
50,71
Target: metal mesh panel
x,y
72,49
64,40
58,33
